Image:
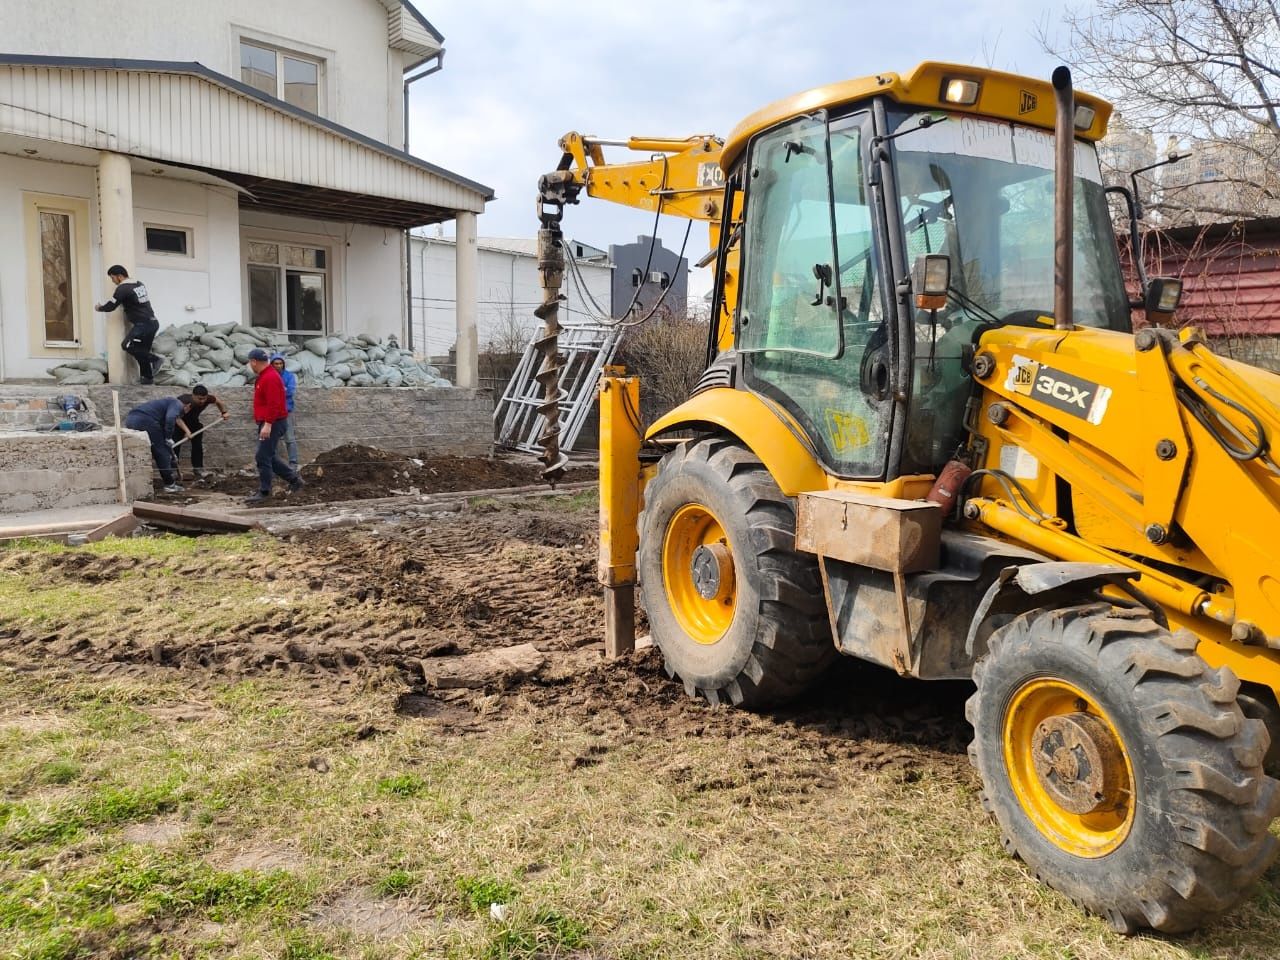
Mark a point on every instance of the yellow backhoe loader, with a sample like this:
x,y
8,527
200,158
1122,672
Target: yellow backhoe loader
x,y
928,437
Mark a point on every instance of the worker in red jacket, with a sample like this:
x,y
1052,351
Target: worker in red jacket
x,y
271,413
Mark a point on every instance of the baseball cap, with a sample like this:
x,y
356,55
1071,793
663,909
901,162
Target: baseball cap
x,y
257,353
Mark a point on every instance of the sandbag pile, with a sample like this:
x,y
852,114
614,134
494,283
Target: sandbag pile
x,y
216,355
80,373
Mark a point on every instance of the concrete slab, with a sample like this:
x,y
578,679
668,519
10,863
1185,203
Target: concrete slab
x,y
65,520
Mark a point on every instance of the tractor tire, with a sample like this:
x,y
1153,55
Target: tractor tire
x,y
739,616
1120,767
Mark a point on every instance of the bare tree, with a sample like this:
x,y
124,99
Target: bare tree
x,y
1202,71
669,352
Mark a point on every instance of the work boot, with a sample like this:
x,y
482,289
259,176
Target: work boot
x,y
256,498
157,362
145,381
173,488
296,484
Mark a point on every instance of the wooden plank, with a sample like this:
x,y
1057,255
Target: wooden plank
x,y
121,526
189,519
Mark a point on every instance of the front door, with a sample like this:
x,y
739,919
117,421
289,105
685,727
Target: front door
x,y
812,326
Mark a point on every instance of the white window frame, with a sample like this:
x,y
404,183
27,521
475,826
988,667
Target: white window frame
x,y
77,209
73,231
176,228
283,47
281,240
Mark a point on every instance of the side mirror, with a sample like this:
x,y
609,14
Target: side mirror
x,y
1162,298
930,279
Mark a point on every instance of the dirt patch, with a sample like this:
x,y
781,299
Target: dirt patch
x,y
360,912
158,833
357,472
262,858
435,605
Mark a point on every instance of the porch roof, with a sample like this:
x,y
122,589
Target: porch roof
x,y
287,159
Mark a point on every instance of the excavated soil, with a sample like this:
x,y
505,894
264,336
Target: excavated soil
x,y
400,603
356,472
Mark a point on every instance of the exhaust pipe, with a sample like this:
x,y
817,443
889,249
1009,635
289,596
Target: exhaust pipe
x,y
1063,199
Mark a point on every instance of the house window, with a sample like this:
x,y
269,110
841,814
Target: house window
x,y
288,287
57,270
168,241
287,76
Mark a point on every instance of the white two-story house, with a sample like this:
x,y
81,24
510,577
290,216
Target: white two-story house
x,y
244,158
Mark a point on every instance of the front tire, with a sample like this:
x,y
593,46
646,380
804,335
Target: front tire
x,y
738,614
1120,767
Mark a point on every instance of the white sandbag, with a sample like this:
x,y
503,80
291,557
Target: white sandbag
x,y
212,341
318,345
377,353
391,356
223,359
164,344
219,379
340,370
174,378
432,371
292,365
360,380
375,369
308,362
240,338
335,344
394,377
180,356
338,356
82,378
189,331
241,352
237,380
221,329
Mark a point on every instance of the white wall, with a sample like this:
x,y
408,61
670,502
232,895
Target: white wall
x,y
508,289
364,272
16,176
349,35
205,286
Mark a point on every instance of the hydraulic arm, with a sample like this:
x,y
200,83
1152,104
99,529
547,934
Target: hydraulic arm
x,y
680,177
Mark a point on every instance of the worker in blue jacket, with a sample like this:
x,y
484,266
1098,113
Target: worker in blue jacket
x,y
290,388
158,418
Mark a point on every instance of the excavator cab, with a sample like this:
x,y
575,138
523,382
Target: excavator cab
x,y
928,437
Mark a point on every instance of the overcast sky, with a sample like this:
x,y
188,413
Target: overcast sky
x,y
519,75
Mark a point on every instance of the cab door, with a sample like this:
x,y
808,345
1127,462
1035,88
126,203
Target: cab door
x,y
812,328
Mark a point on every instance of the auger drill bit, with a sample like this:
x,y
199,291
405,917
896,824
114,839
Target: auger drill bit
x,y
554,191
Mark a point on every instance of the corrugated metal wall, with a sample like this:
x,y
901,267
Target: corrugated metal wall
x,y
181,118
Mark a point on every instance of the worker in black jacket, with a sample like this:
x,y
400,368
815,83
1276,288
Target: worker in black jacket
x,y
200,398
143,325
158,418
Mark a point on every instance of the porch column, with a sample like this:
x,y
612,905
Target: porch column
x,y
115,221
466,266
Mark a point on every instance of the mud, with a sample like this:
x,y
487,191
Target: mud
x,y
402,605
356,472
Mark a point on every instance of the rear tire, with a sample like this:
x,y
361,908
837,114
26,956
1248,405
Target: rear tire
x,y
1187,835
763,637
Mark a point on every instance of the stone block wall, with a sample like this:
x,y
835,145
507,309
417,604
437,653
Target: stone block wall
x,y
45,471
431,420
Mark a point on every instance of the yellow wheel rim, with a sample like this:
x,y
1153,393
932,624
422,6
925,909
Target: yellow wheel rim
x,y
697,570
1068,767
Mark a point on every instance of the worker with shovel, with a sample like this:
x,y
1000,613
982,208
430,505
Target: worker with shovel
x,y
200,398
158,419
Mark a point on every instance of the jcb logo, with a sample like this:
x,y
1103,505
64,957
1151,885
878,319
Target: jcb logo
x,y
1023,376
1028,102
1064,392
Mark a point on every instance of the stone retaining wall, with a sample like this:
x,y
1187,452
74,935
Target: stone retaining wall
x,y
46,471
435,420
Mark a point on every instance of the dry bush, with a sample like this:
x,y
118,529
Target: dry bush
x,y
669,353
